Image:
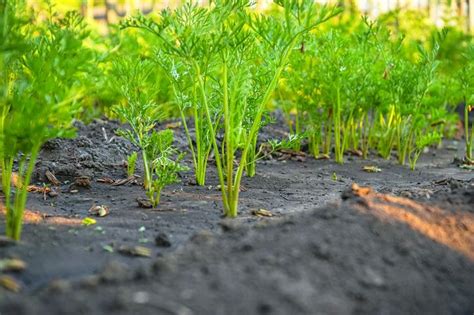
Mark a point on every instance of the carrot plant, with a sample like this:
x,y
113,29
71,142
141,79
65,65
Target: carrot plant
x,y
189,42
161,161
42,72
225,63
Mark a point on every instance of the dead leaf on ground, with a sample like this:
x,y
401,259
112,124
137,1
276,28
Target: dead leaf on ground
x,y
99,211
124,181
371,169
52,178
138,251
12,264
45,190
38,189
262,213
10,283
118,182
106,180
88,221
355,152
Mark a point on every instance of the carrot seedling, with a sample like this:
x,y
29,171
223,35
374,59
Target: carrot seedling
x,y
131,164
160,159
466,83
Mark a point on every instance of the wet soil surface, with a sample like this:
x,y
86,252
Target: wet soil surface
x,y
404,246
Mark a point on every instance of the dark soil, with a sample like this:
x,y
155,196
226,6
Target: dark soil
x,y
407,246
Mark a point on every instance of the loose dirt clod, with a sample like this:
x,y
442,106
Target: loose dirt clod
x,y
162,240
81,181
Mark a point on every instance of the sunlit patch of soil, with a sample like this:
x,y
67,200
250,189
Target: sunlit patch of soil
x,y
454,229
36,217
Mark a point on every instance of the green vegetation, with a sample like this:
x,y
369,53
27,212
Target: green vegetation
x,y
41,72
360,92
132,77
131,164
466,82
225,63
346,85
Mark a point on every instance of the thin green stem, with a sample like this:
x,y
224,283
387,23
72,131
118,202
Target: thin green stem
x,y
213,139
22,194
468,137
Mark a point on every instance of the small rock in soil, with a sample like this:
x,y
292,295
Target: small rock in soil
x,y
53,194
162,240
82,181
371,278
6,241
144,203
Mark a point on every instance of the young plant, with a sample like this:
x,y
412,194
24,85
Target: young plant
x,y
423,140
189,42
466,83
131,163
43,72
133,80
165,166
411,118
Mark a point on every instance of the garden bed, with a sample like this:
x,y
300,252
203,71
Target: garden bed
x,y
406,246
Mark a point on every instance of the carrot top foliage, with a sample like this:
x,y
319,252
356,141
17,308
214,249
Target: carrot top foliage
x,y
41,72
